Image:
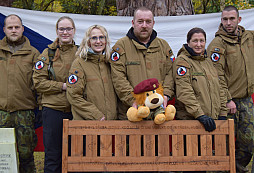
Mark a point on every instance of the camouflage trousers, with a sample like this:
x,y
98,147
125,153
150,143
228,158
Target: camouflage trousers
x,y
23,122
244,130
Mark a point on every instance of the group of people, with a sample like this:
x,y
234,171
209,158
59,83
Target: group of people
x,y
94,82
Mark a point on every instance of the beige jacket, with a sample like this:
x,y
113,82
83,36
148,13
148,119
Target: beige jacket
x,y
233,58
90,90
136,63
52,94
16,86
198,91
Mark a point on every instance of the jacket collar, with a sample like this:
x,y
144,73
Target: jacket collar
x,y
132,36
189,52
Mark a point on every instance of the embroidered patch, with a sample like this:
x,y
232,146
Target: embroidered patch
x,y
72,79
115,56
217,49
215,57
39,65
173,58
43,58
181,71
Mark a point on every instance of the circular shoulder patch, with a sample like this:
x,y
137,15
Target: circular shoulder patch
x,y
72,79
39,65
181,71
115,56
215,57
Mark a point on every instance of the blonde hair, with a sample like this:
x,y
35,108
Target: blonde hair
x,y
84,47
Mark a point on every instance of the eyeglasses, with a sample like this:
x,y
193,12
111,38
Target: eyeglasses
x,y
69,29
101,38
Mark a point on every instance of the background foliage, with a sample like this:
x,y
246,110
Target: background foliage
x,y
108,7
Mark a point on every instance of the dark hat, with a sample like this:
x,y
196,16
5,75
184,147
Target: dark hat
x,y
146,85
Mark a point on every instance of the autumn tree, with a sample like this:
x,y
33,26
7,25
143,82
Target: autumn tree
x,y
158,7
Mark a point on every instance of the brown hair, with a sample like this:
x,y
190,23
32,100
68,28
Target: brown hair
x,y
230,8
194,31
141,9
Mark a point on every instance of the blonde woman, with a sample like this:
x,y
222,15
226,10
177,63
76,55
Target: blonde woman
x,y
50,74
89,87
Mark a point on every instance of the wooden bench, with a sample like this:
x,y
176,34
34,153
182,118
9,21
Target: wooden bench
x,y
178,145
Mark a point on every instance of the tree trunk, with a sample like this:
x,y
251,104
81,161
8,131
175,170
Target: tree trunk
x,y
158,7
6,3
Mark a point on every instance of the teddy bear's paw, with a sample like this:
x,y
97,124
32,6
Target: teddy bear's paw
x,y
170,112
143,112
132,114
159,119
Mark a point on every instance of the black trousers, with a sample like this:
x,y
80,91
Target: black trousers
x,y
52,138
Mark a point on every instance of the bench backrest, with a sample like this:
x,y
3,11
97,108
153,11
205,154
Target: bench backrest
x,y
178,145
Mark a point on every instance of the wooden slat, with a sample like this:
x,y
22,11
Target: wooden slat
x,y
76,145
192,145
65,146
163,148
177,145
135,145
105,162
149,145
206,145
220,145
120,145
106,145
183,127
91,145
232,146
141,164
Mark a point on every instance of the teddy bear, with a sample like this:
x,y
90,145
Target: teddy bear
x,y
148,96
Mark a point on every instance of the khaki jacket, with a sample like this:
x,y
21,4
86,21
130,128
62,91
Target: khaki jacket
x,y
90,90
52,94
137,63
233,58
16,86
198,91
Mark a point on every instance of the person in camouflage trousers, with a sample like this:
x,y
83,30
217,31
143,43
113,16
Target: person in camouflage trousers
x,y
232,52
17,97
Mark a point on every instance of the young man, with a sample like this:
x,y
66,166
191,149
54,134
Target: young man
x,y
138,56
232,52
17,99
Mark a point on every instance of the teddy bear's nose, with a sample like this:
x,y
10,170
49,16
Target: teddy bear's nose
x,y
155,100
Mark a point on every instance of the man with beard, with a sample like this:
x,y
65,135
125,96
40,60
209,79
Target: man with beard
x,y
138,56
17,99
232,52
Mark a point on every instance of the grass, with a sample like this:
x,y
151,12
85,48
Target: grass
x,y
39,161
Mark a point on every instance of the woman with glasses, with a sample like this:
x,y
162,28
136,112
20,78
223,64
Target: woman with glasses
x,y
50,75
89,87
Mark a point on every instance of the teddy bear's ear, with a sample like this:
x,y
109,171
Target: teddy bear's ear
x,y
159,90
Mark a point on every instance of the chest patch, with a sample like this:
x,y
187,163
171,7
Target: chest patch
x,y
39,65
115,56
215,57
172,58
181,71
72,79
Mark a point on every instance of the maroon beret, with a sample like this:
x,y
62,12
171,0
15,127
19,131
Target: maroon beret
x,y
146,85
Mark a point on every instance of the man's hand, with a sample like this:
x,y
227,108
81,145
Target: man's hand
x,y
165,101
232,107
64,87
135,105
